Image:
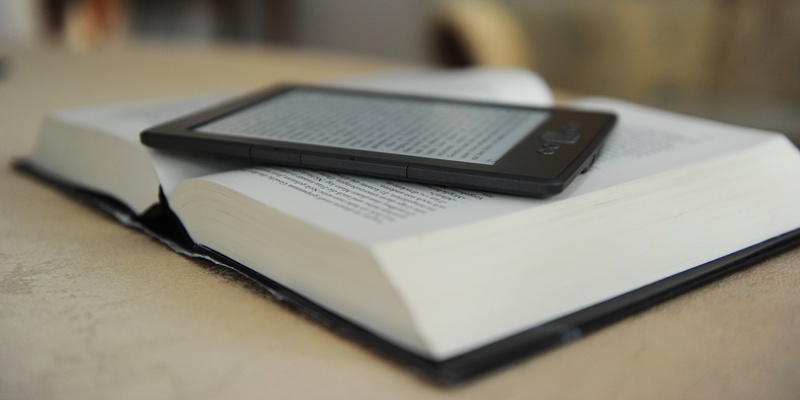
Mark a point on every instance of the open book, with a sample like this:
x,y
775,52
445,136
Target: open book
x,y
452,282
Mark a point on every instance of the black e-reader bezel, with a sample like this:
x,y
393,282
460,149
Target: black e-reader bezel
x,y
542,164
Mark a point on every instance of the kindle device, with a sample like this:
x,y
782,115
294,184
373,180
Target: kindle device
x,y
485,146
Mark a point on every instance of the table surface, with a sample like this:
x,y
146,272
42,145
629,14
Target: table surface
x,y
90,309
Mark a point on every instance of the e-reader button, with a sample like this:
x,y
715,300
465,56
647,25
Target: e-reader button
x,y
568,134
548,149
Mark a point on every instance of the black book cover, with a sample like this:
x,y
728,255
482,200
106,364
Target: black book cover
x,y
160,223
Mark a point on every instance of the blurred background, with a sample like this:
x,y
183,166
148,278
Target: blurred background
x,y
731,60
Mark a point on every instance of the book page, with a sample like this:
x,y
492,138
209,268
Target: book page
x,y
126,121
98,149
645,142
362,208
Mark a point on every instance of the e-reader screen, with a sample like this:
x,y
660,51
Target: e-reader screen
x,y
465,132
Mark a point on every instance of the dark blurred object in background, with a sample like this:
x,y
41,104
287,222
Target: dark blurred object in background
x,y
260,21
91,23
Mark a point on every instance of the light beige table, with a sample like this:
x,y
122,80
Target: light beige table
x,y
90,309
